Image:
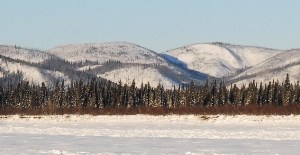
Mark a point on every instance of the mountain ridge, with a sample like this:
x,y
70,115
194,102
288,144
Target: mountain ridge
x,y
221,59
127,61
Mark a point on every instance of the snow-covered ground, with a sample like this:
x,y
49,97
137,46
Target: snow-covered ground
x,y
142,134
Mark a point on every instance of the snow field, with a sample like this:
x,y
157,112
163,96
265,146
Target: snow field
x,y
144,134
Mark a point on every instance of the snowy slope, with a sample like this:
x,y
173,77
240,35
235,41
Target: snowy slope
x,y
128,62
140,75
103,52
30,73
121,53
18,53
275,68
219,59
9,63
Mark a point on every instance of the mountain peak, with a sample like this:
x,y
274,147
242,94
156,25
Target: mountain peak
x,y
24,54
220,59
103,52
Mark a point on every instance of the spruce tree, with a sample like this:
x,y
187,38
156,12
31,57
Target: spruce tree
x,y
286,90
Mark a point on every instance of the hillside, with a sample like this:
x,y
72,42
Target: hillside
x,y
219,59
103,52
11,68
275,68
33,65
124,61
25,54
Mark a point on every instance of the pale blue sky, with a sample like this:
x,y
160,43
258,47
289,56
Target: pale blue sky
x,y
156,24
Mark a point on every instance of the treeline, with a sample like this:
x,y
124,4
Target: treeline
x,y
106,97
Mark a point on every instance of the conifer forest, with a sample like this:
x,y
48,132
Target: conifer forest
x,y
105,97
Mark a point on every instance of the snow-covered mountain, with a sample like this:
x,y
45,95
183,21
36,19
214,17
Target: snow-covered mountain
x,y
24,54
111,61
219,59
274,68
31,74
19,61
103,52
123,61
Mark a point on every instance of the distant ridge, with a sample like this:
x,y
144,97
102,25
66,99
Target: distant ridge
x,y
126,61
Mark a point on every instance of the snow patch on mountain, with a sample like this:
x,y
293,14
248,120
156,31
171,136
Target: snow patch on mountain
x,y
275,68
88,67
279,61
140,75
206,58
250,55
219,59
32,74
18,53
280,76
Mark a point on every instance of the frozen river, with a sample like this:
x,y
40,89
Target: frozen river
x,y
142,134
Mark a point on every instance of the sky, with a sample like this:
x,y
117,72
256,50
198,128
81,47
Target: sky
x,y
159,25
